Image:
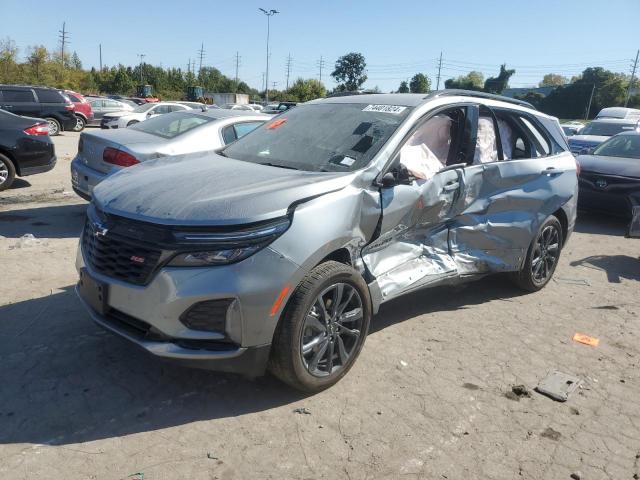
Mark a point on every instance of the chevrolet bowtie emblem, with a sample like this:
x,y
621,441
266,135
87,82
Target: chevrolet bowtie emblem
x,y
99,230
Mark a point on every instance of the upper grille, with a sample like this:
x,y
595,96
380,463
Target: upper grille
x,y
118,257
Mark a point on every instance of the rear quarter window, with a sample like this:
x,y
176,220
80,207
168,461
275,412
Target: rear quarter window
x,y
22,95
49,96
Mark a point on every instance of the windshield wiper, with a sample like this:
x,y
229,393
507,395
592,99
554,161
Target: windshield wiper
x,y
279,166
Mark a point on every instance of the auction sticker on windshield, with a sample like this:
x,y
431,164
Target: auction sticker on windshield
x,y
384,108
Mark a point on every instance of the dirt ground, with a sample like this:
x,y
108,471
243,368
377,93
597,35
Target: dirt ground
x,y
428,398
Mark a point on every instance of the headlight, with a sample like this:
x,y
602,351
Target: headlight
x,y
213,257
206,248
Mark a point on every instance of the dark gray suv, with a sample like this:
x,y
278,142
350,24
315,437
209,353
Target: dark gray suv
x,y
276,251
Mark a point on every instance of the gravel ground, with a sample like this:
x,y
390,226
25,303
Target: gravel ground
x,y
430,397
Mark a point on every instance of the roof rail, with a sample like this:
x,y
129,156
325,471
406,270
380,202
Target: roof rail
x,y
454,92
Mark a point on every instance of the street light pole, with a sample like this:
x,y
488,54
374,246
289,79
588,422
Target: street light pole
x,y
269,14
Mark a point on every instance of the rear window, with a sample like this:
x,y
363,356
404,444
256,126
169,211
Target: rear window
x,y
49,96
321,137
170,126
17,95
605,129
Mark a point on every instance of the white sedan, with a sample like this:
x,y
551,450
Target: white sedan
x,y
142,112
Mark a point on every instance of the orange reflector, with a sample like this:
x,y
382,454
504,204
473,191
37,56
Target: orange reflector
x,y
586,339
277,123
278,302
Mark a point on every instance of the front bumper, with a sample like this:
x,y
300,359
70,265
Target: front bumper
x,y
254,284
84,178
109,123
608,194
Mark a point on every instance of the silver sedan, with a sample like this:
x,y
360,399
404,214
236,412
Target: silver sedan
x,y
104,152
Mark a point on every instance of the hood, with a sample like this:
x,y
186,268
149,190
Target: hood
x,y
118,114
618,166
593,139
208,189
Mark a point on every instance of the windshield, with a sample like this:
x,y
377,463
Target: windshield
x,y
606,129
144,107
171,125
321,137
620,146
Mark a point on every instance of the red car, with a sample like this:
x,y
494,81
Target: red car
x,y
82,111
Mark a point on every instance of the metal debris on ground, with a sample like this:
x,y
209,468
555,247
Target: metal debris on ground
x,y
558,385
571,281
302,411
586,339
28,240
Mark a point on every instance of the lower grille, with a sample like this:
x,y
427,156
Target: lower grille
x,y
118,257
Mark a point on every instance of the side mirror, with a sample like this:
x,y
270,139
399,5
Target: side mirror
x,y
388,180
398,176
150,114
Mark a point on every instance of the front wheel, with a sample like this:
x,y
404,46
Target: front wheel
x,y
132,122
80,124
542,257
54,126
323,328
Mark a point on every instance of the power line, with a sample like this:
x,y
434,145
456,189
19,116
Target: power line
x,y
201,54
633,74
288,69
63,36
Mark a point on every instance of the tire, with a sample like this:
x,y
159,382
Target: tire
x,y
54,126
542,257
80,124
132,122
338,336
7,173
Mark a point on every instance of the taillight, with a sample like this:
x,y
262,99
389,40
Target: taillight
x,y
578,167
118,157
38,129
70,106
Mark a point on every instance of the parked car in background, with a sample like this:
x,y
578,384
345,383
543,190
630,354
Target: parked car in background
x,y
610,176
104,152
282,107
83,110
238,106
102,106
278,250
622,113
195,105
40,102
25,147
140,113
597,131
571,128
256,106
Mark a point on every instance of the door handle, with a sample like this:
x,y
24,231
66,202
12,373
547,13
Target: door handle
x,y
551,171
451,186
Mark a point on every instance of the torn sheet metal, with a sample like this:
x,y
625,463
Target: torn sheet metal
x,y
558,385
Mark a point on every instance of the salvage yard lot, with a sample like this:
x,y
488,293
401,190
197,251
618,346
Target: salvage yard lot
x,y
425,400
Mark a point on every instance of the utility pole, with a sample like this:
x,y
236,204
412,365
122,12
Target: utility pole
x,y
269,14
141,55
63,34
202,55
633,75
593,89
288,69
237,66
273,85
100,49
439,69
321,65
263,84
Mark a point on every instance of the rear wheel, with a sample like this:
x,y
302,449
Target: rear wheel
x,y
132,122
542,257
7,172
80,124
323,328
54,126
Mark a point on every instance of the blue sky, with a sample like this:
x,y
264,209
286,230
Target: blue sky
x,y
398,39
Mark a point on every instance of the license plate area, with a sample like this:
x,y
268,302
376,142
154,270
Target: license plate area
x,y
93,292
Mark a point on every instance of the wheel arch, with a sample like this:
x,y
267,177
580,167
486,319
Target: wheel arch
x,y
7,153
564,223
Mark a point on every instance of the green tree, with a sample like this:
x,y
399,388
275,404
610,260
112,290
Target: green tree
x,y
76,63
553,80
501,82
350,72
472,81
8,55
305,90
403,88
37,59
420,83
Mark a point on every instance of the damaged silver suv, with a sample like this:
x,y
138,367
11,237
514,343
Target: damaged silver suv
x,y
276,251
